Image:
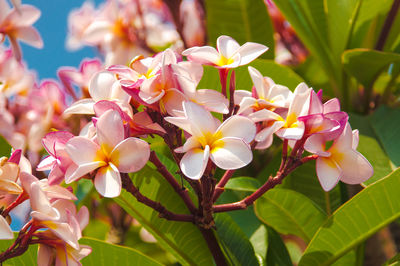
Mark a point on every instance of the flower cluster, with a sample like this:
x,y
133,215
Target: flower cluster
x,y
97,121
55,223
123,29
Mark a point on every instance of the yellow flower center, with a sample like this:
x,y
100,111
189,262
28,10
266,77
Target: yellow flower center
x,y
223,61
213,140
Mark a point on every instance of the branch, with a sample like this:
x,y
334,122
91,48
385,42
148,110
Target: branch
x,y
182,192
163,212
219,188
271,183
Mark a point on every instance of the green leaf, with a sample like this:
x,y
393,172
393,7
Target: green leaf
x,y
386,124
183,240
308,19
245,21
5,147
259,240
341,15
304,180
366,213
238,246
365,64
277,254
280,74
249,184
289,212
106,254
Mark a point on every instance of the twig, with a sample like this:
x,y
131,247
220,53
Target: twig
x,y
182,192
163,212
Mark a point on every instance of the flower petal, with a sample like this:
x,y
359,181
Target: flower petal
x,y
107,138
232,153
194,162
204,55
82,150
108,181
100,85
201,121
227,46
75,172
5,230
130,155
45,255
29,35
355,167
238,127
328,173
212,100
83,106
250,51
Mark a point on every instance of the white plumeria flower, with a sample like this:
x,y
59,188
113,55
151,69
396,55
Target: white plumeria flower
x,y
226,144
341,161
266,95
111,154
103,86
229,53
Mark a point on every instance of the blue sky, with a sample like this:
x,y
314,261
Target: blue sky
x,y
52,26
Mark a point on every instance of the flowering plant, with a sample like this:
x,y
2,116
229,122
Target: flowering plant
x,y
202,154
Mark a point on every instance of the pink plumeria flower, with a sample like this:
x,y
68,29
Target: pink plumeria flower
x,y
17,24
226,144
341,161
110,154
15,78
8,177
78,21
103,86
49,215
325,119
60,252
229,54
265,95
58,160
80,77
285,124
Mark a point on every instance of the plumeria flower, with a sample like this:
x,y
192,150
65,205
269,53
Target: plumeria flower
x,y
284,124
111,154
326,119
48,215
103,86
58,252
80,77
229,54
15,78
341,161
58,160
265,95
8,177
226,144
56,249
17,24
